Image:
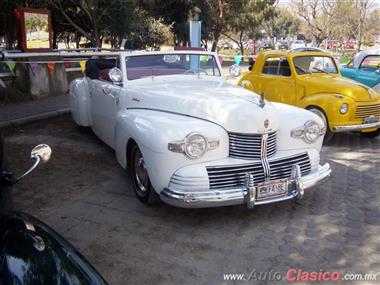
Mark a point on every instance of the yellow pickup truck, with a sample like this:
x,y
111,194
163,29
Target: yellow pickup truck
x,y
311,80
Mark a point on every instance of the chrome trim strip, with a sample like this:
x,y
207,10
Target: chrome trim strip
x,y
338,129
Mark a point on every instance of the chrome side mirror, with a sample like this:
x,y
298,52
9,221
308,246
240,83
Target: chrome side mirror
x,y
40,153
43,151
235,70
116,76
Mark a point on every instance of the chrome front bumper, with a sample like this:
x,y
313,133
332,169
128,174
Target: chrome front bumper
x,y
360,127
245,195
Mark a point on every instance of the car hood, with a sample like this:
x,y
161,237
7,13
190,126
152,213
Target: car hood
x,y
337,85
234,108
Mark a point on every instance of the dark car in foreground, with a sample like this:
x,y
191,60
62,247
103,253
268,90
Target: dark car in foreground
x,y
31,252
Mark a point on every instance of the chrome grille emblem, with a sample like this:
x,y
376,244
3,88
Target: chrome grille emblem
x,y
264,157
266,123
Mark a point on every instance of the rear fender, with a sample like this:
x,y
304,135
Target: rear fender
x,y
80,101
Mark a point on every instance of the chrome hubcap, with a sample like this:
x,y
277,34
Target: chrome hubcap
x,y
141,175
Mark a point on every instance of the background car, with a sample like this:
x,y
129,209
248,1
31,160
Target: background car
x,y
282,44
266,45
331,44
311,80
364,68
349,44
298,44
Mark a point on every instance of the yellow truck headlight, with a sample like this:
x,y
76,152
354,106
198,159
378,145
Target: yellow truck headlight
x,y
343,108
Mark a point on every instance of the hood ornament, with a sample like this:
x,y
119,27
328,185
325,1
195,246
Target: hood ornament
x,y
262,100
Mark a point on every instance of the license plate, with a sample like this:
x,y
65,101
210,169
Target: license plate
x,y
371,119
272,188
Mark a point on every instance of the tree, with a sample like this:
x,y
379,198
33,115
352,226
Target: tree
x,y
92,12
8,22
353,21
147,32
175,13
362,7
317,15
371,27
285,24
213,15
244,16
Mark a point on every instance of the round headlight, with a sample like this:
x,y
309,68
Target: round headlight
x,y
311,132
343,108
195,145
235,70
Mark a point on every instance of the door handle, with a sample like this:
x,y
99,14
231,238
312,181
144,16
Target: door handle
x,y
106,90
114,97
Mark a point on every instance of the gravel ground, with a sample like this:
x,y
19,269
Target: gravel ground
x,y
88,198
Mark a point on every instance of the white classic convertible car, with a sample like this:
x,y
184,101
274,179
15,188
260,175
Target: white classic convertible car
x,y
192,139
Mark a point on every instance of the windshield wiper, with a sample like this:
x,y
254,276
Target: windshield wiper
x,y
320,70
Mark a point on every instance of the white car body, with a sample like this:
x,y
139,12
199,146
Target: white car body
x,y
298,44
157,110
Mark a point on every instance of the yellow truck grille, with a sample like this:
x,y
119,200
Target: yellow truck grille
x,y
367,110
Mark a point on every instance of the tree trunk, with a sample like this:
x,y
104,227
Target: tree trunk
x,y
359,36
214,46
55,45
77,40
241,48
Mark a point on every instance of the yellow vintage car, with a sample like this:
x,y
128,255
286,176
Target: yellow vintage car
x,y
311,80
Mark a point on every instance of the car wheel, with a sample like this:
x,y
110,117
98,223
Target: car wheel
x,y
371,135
141,182
328,135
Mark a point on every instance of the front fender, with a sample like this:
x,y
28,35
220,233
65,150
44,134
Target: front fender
x,y
291,117
152,131
330,104
246,81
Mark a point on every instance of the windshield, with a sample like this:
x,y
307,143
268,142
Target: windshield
x,y
171,64
371,62
314,64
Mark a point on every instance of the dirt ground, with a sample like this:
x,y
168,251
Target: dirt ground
x,y
88,198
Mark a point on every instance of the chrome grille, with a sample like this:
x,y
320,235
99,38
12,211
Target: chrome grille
x,y
367,110
224,177
248,146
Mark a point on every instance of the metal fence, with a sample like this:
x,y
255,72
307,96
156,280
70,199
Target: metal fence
x,y
71,56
